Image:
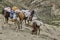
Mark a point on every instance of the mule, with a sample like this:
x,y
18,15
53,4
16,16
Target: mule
x,y
21,18
29,18
6,15
36,28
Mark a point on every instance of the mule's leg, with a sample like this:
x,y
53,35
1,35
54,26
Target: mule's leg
x,y
25,21
6,19
28,22
39,31
17,24
28,19
33,31
21,24
36,31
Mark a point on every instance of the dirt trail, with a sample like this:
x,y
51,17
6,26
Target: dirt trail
x,y
48,32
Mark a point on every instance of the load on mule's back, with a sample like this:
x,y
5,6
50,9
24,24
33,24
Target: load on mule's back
x,y
6,10
14,13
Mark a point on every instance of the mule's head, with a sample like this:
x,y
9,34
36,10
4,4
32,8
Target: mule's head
x,y
32,13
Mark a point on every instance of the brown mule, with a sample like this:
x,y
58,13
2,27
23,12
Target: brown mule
x,y
21,18
35,28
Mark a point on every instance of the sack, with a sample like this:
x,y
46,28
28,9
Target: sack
x,y
8,9
11,14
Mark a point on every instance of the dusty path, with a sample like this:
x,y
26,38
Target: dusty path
x,y
48,32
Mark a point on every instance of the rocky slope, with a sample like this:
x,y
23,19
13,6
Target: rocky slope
x,y
47,11
47,32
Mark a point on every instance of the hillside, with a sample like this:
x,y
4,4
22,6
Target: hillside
x,y
8,32
47,11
